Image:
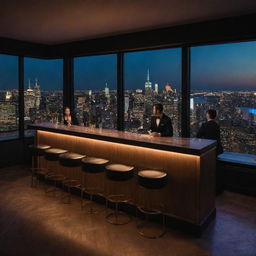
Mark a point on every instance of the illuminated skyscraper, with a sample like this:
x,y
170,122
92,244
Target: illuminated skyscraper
x,y
8,95
156,88
107,91
37,92
148,85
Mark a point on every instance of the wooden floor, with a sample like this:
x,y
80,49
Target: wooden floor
x,y
33,224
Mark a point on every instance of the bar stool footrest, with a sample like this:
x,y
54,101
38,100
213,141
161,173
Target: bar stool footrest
x,y
149,211
118,199
118,218
72,183
151,230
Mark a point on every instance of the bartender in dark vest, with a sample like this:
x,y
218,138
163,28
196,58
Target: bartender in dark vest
x,y
69,119
210,130
161,124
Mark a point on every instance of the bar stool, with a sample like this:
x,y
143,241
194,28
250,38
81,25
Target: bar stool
x,y
118,177
70,160
54,176
92,180
36,152
150,182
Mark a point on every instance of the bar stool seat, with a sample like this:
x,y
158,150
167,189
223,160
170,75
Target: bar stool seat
x,y
71,159
52,154
92,169
38,148
151,181
95,162
118,173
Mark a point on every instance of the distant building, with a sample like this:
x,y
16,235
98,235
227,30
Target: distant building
x,y
107,95
8,95
156,88
148,85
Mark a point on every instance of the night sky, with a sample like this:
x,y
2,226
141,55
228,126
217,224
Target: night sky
x,y
214,67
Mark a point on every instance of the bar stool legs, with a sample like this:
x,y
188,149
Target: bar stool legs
x,y
117,176
91,191
55,177
117,217
71,165
92,182
150,183
147,227
84,203
36,171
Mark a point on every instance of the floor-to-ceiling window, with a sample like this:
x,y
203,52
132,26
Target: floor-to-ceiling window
x,y
96,91
43,90
9,94
152,77
223,77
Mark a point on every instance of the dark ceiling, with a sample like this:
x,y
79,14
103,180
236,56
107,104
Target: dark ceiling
x,y
59,21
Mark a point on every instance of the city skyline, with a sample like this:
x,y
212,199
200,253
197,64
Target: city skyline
x,y
214,67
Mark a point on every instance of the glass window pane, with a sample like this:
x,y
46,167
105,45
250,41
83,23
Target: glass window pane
x,y
96,91
43,94
9,93
152,77
223,77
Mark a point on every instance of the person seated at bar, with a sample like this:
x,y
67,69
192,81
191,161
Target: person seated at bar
x,y
211,130
161,124
69,119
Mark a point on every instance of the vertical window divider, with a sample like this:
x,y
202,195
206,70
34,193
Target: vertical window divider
x,y
21,95
120,91
68,83
185,90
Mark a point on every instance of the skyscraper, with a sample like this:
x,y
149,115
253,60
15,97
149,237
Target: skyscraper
x,y
148,85
37,94
106,90
156,88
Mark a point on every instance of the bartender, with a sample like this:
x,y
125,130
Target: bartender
x,y
69,119
161,124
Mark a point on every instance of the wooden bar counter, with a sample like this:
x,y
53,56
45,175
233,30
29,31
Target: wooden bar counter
x,y
189,197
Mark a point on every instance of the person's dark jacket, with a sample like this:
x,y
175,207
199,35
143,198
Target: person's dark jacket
x,y
210,130
164,127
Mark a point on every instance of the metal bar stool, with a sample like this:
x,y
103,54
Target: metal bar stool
x,y
118,179
37,151
92,180
70,160
54,175
150,183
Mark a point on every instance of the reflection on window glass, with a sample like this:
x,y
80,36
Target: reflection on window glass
x,y
95,91
223,77
9,115
43,94
152,77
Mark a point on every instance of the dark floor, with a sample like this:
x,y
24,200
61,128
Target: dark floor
x,y
33,224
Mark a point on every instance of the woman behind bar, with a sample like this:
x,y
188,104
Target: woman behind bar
x,y
69,119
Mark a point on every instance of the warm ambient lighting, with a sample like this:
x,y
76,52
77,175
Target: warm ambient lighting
x,y
180,195
127,154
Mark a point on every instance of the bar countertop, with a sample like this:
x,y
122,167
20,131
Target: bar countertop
x,y
191,146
